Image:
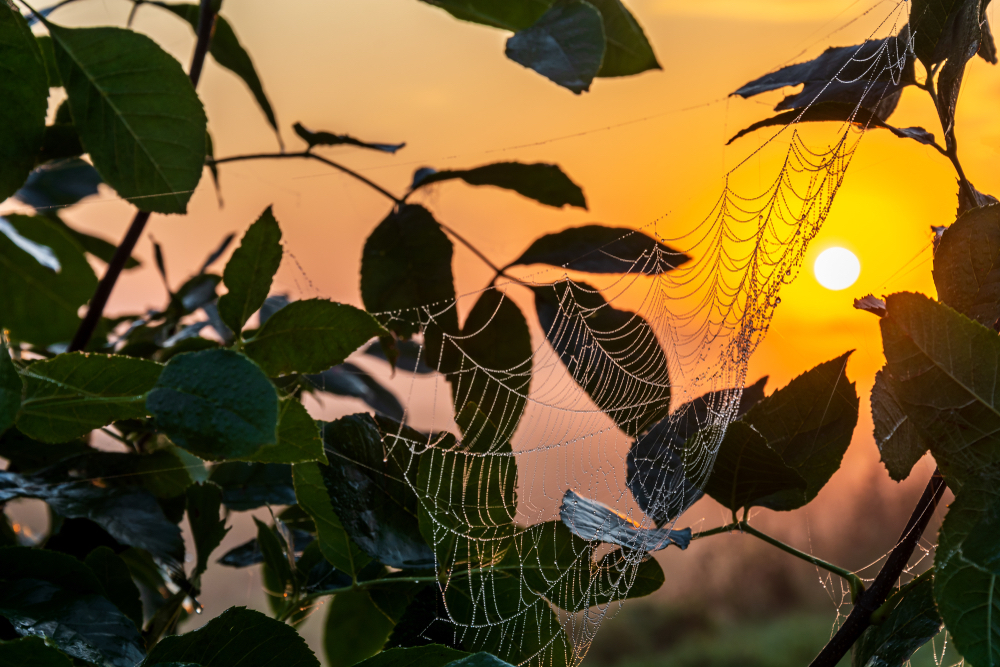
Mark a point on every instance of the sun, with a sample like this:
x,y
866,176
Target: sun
x,y
837,268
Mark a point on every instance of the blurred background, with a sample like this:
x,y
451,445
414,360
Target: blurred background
x,y
648,150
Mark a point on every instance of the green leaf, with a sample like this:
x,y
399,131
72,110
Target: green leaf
x,y
52,595
748,473
299,438
898,439
809,424
406,266
94,245
626,49
38,304
24,88
566,45
545,183
312,496
504,14
207,529
310,336
226,49
912,623
49,60
967,265
614,355
347,379
600,249
59,183
355,629
136,112
117,582
72,394
10,389
239,636
32,652
250,270
247,486
216,404
432,655
322,138
967,594
941,367
276,560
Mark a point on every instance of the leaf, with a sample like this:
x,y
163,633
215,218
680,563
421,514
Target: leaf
x,y
626,49
24,87
72,394
843,112
432,655
49,60
871,304
247,486
968,199
809,424
52,595
941,366
913,623
116,580
94,245
349,380
545,183
136,112
249,553
406,266
655,463
937,26
275,560
226,49
250,270
369,490
614,355
748,473
504,14
967,594
898,439
59,183
600,249
312,496
595,521
39,305
207,529
216,404
355,629
967,265
32,652
239,636
322,138
10,390
298,437
310,336
566,45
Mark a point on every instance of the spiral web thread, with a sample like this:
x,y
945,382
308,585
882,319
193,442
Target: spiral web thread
x,y
707,317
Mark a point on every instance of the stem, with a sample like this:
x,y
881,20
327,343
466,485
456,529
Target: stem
x,y
869,601
951,143
95,310
460,239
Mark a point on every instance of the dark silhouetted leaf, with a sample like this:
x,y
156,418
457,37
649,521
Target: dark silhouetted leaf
x,y
504,14
239,636
898,439
600,249
843,112
967,265
216,404
545,183
566,45
59,183
94,245
32,652
249,553
24,88
37,304
409,356
968,199
938,24
136,113
10,391
310,336
349,380
276,560
117,582
72,394
355,629
207,529
298,437
871,304
913,623
247,486
250,270
626,49
322,138
614,355
49,59
313,497
595,521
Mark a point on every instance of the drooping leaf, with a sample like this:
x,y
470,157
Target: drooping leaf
x,y
32,652
337,547
600,249
938,24
249,553
24,87
207,529
871,304
136,112
226,49
898,439
38,304
595,521
298,437
321,138
967,265
912,623
310,336
276,560
355,629
215,403
247,486
72,394
10,390
968,199
406,266
626,49
566,45
504,14
843,112
545,183
55,596
250,270
239,636
117,582
614,355
349,380
59,183
404,355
